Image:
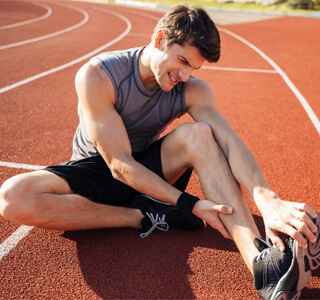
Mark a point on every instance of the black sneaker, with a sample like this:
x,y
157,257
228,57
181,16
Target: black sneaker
x,y
309,258
161,215
276,273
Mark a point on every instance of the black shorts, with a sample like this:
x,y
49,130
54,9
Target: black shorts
x,y
91,177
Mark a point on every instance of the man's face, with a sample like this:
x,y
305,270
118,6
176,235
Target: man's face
x,y
175,63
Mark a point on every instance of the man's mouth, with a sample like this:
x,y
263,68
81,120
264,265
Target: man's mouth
x,y
172,78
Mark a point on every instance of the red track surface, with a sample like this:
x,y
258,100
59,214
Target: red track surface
x,y
38,120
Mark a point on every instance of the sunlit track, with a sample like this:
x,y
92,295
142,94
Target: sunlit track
x,y
40,38
38,122
73,62
312,116
49,12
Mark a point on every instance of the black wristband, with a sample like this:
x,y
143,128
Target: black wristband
x,y
186,202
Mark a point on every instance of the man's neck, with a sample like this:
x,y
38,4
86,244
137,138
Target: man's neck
x,y
144,65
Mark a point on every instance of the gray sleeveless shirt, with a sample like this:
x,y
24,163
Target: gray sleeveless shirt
x,y
145,113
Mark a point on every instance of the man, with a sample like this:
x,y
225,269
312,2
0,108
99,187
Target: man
x,y
121,175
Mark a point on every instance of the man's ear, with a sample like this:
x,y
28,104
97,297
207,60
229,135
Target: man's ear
x,y
159,36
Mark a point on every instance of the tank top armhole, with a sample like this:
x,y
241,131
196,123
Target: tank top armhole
x,y
104,67
183,99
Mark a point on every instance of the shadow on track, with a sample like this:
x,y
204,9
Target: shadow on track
x,y
117,263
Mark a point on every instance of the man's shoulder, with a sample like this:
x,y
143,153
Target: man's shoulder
x,y
199,93
91,71
197,86
92,80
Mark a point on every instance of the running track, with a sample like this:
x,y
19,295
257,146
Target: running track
x,y
272,101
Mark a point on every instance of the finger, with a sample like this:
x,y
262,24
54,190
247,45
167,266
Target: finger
x,y
310,211
276,240
218,225
296,235
306,218
223,209
224,231
303,228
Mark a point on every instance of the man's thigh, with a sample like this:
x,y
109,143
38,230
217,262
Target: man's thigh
x,y
37,182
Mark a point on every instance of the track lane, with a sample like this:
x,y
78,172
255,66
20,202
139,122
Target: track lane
x,y
23,12
296,56
43,37
55,51
61,18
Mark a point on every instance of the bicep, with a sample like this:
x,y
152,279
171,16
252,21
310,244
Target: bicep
x,y
103,123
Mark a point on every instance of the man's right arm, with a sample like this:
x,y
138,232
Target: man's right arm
x,y
108,134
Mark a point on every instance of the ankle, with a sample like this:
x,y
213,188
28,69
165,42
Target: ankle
x,y
137,217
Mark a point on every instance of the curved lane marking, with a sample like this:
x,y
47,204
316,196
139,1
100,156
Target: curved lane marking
x,y
85,20
239,69
73,62
49,12
312,116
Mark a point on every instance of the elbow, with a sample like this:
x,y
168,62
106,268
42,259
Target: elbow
x,y
119,170
115,171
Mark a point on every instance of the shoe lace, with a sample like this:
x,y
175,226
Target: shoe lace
x,y
265,251
157,223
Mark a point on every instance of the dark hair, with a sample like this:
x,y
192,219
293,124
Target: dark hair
x,y
186,24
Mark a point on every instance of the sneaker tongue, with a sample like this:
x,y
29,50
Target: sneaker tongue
x,y
260,244
258,273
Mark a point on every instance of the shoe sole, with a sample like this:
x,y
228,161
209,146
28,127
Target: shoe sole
x,y
309,258
291,296
304,261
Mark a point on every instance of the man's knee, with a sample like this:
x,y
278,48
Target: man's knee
x,y
17,198
198,138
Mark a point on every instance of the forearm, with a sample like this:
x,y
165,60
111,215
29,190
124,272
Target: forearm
x,y
140,178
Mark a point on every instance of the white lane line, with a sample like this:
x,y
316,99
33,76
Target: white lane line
x,y
20,166
85,20
49,12
12,241
73,62
312,116
240,69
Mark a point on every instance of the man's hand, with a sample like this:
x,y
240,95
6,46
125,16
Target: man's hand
x,y
291,218
209,212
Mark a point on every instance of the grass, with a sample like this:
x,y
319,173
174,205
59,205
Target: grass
x,y
284,7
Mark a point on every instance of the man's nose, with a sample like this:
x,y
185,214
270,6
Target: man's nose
x,y
185,73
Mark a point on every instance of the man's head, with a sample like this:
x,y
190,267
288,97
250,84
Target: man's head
x,y
191,25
